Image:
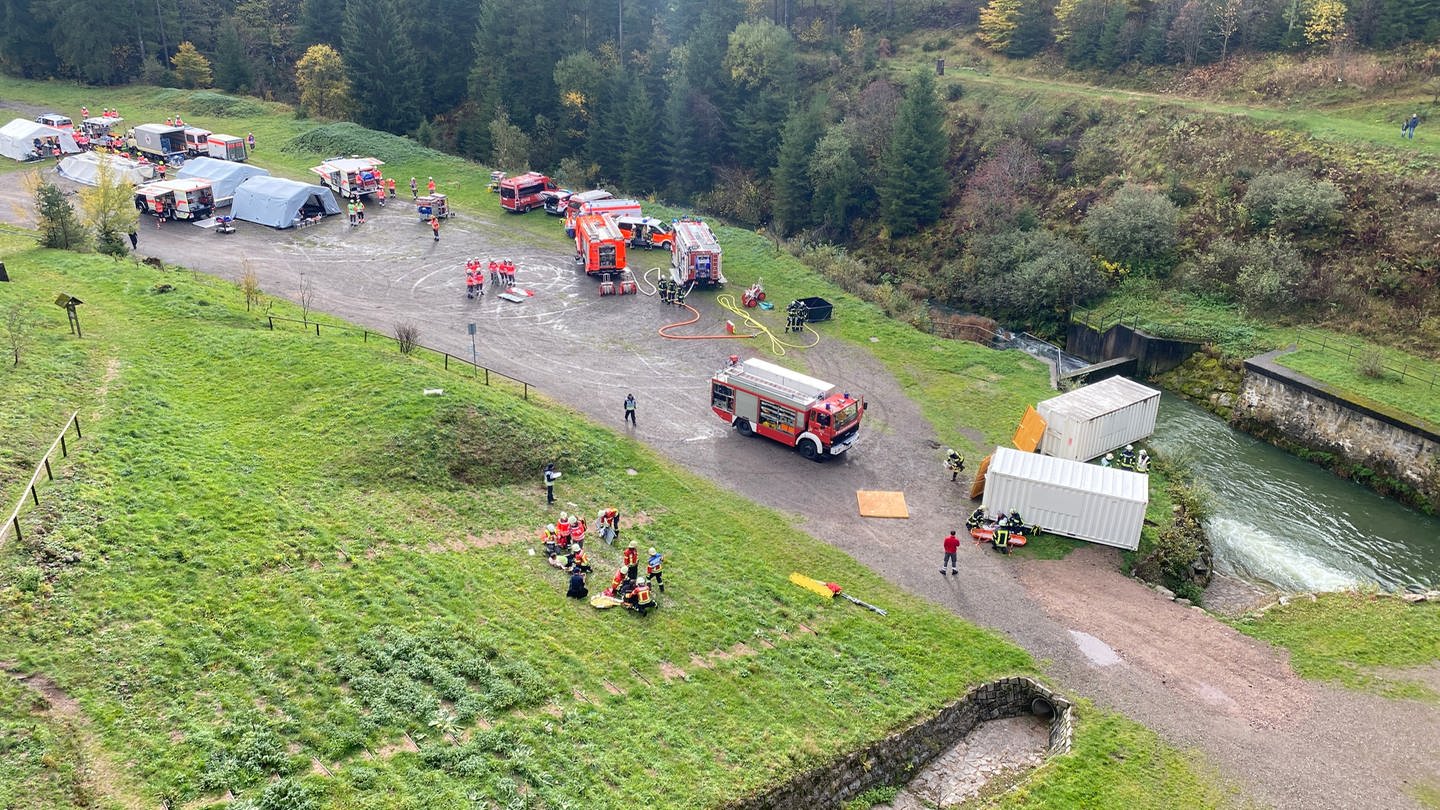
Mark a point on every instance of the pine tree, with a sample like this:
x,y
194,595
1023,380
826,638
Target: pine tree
x,y
320,23
998,21
59,226
793,192
641,170
913,184
232,66
836,175
385,83
686,168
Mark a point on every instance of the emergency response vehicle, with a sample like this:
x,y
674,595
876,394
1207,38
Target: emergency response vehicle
x,y
578,201
350,176
794,409
554,201
227,147
613,208
646,232
695,257
176,199
197,141
522,192
55,120
160,142
599,245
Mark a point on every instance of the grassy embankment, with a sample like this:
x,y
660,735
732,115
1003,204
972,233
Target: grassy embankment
x,y
271,552
1357,639
1339,362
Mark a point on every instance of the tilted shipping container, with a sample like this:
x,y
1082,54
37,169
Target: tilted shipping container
x,y
1093,420
1103,505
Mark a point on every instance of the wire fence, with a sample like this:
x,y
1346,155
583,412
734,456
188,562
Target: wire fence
x,y
1368,359
29,492
365,335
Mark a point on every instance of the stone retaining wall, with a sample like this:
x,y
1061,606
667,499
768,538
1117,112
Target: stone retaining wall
x,y
894,759
1153,355
1296,412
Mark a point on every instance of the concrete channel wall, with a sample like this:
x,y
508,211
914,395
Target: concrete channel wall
x,y
894,759
1153,355
1300,413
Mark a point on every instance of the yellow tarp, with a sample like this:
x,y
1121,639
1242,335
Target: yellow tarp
x,y
882,504
977,487
1031,430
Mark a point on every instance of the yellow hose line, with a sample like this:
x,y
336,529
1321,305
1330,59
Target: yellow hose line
x,y
777,345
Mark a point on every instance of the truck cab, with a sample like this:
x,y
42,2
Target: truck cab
x,y
599,245
197,141
577,201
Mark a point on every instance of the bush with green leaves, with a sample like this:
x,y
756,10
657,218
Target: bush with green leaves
x,y
1136,227
60,226
1030,278
1263,273
1293,203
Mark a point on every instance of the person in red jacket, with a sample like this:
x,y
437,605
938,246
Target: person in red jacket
x,y
630,558
952,545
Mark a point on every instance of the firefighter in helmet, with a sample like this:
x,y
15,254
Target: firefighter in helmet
x,y
955,463
630,558
1001,540
976,519
639,598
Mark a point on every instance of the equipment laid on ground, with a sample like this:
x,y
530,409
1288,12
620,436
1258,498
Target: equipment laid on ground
x,y
695,257
986,534
494,184
624,285
227,147
646,232
350,176
197,141
432,205
522,193
830,590
1093,420
1071,498
792,408
599,245
754,295
176,199
160,142
224,225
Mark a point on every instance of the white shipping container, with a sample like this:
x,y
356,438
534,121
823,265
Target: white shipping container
x,y
1104,505
1093,420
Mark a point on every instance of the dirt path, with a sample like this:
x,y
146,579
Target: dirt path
x,y
1097,633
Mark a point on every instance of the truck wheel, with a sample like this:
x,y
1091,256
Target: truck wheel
x,y
809,450
742,426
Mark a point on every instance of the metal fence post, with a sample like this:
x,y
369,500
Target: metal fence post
x,y
77,428
48,473
63,452
34,494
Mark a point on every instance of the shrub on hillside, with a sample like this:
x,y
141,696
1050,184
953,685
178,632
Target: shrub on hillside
x,y
1136,227
1028,277
345,138
1293,203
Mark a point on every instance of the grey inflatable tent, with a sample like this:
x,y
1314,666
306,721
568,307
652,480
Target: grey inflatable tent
x,y
17,139
281,203
85,168
224,176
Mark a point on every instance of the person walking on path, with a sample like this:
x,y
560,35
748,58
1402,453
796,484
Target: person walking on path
x,y
630,409
430,187
551,476
1407,130
955,463
250,141
435,227
414,190
952,545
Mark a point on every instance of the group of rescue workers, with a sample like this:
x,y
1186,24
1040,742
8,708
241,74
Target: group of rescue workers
x,y
1003,528
501,272
564,544
1128,460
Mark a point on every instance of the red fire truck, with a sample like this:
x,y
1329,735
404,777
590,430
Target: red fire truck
x,y
599,245
797,410
695,255
522,192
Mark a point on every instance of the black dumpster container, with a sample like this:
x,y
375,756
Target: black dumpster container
x,y
814,309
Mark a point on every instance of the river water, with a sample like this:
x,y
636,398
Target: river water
x,y
1288,523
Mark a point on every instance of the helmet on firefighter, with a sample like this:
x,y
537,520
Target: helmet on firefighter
x,y
653,551
550,528
632,544
641,581
1129,447
1109,456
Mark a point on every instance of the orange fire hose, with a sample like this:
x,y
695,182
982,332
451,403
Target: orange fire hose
x,y
695,316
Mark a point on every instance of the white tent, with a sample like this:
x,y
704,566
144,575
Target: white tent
x,y
225,176
17,138
85,168
279,203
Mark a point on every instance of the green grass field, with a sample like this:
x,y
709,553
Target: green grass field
x,y
1356,639
270,552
